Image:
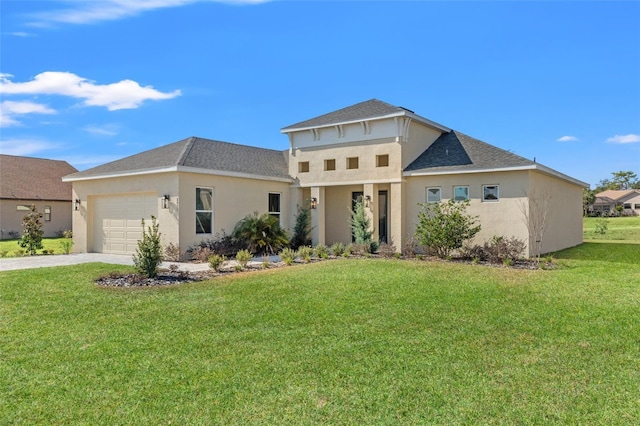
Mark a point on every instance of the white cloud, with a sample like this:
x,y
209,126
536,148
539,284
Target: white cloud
x,y
22,147
106,130
125,94
109,10
9,109
630,138
567,139
21,34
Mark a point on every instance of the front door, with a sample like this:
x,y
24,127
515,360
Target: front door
x,y
382,216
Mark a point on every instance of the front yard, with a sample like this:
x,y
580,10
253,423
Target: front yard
x,y
354,341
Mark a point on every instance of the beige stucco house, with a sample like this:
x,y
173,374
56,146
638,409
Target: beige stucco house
x,y
26,181
607,201
389,156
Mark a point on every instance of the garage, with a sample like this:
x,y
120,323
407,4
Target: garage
x,y
117,221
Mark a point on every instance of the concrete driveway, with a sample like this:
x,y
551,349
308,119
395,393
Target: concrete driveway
x,y
28,262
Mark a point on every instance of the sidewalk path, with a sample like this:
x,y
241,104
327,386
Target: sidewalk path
x,y
28,262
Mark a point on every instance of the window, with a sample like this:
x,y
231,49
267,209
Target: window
x,y
303,167
627,206
490,193
637,207
47,213
204,210
23,208
352,162
382,160
274,205
460,193
330,164
433,195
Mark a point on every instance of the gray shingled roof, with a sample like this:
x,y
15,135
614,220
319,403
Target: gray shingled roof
x,y
199,153
367,109
26,178
455,151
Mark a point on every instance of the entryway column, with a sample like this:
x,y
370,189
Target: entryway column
x,y
396,225
318,215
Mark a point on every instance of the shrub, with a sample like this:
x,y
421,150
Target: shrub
x,y
337,249
322,251
172,253
387,250
4,253
602,225
149,253
201,254
287,255
302,229
261,234
373,246
497,250
410,247
360,249
216,261
444,227
305,252
243,257
223,244
360,224
67,245
348,249
31,231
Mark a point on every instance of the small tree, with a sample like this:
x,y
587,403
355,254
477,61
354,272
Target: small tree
x,y
361,224
444,227
149,253
32,231
302,229
535,216
261,234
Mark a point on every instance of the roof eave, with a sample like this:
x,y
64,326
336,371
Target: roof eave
x,y
411,115
537,167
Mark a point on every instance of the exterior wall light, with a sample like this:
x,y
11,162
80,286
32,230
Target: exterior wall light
x,y
165,201
76,204
314,203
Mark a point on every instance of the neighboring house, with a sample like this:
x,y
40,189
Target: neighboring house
x,y
606,202
26,181
388,156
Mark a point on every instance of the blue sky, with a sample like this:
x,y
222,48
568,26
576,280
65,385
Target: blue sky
x,y
93,81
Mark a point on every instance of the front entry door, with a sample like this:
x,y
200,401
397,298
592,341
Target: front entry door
x,y
382,216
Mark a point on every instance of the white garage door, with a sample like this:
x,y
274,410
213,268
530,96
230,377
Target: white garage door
x,y
117,221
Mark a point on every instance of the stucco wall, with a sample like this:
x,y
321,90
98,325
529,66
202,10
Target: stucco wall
x,y
420,138
503,217
11,217
564,221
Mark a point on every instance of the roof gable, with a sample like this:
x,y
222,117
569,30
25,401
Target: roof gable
x,y
455,151
618,195
27,178
197,153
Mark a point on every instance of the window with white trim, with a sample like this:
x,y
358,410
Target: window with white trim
x,y
460,193
274,205
434,195
490,192
204,210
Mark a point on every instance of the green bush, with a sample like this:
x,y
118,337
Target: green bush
x,y
322,251
305,252
444,227
360,224
148,256
287,255
337,249
32,231
216,261
261,234
67,245
243,257
602,225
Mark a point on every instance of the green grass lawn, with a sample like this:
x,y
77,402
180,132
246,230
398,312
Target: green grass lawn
x,y
11,248
351,341
619,228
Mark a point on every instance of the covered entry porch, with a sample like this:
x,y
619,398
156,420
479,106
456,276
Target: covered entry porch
x,y
331,208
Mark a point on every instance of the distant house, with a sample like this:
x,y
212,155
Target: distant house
x,y
26,181
387,156
607,203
